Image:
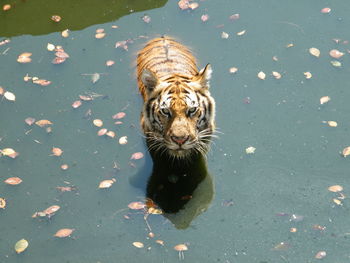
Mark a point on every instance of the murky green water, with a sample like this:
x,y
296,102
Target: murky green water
x,y
253,200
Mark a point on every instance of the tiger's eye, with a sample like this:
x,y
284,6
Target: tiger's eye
x,y
192,110
165,111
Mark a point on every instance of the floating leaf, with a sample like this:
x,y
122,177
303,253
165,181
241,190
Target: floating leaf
x,y
346,151
65,33
335,53
193,5
64,232
337,201
21,245
324,99
106,183
336,63
234,17
61,54
64,167
43,123
56,18
261,75
85,98
332,123
250,150
146,19
97,122
56,151
138,244
58,60
24,57
308,75
7,151
41,82
9,96
315,52
276,75
320,255
6,7
76,104
136,156
51,210
102,132
335,188
110,134
123,140
205,18
2,203
233,70
136,205
326,10
183,4
100,35
50,47
95,77
160,242
224,35
119,115
181,247
241,33
110,63
13,181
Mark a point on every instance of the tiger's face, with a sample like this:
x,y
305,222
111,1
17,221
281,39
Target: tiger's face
x,y
178,115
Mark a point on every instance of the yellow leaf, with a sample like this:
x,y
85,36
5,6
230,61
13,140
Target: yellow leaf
x,y
43,123
21,245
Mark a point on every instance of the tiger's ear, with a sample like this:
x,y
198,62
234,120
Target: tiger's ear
x,y
149,79
205,76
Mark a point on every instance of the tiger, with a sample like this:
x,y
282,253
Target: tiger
x,y
178,115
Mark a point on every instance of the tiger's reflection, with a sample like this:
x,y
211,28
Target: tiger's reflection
x,y
181,189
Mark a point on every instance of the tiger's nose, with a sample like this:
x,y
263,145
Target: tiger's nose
x,y
179,139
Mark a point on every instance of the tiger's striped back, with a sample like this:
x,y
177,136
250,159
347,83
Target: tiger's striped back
x,y
178,112
165,57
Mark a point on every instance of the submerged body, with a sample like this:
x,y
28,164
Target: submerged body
x,y
178,112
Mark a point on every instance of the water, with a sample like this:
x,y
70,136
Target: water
x,y
256,198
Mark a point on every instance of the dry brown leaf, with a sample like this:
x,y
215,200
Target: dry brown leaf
x,y
138,244
136,156
106,183
102,132
64,232
56,151
335,188
315,52
334,53
97,122
2,203
136,205
51,210
76,104
43,123
346,151
13,181
7,151
181,247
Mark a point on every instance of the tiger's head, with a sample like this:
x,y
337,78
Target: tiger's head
x,y
178,114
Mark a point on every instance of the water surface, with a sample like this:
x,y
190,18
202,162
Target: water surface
x,y
258,197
